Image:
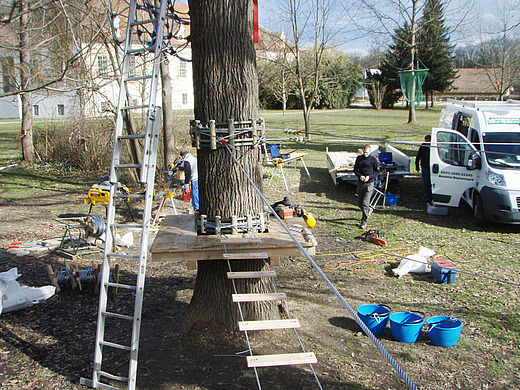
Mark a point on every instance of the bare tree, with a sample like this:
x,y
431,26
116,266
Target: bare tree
x,y
40,39
313,27
388,17
499,47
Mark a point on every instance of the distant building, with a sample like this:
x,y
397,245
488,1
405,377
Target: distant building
x,y
475,84
104,88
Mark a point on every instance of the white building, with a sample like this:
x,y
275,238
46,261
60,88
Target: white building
x,y
103,80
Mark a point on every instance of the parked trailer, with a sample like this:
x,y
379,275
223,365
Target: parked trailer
x,y
393,161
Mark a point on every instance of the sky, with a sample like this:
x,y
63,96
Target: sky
x,y
484,12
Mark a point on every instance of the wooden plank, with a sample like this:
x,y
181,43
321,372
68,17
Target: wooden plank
x,y
245,256
270,324
177,240
251,275
281,360
258,297
274,261
240,241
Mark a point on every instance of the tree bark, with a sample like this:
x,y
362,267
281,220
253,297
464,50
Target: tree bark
x,y
225,87
167,113
28,154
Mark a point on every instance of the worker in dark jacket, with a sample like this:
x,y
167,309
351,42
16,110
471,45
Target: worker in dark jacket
x,y
366,168
422,163
191,177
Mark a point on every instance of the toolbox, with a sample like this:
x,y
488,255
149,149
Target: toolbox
x,y
443,271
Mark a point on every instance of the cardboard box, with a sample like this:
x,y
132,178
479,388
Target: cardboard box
x,y
285,212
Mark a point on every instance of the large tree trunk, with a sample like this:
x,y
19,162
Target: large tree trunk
x,y
25,76
167,117
225,87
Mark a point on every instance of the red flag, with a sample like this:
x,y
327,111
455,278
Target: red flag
x,y
255,20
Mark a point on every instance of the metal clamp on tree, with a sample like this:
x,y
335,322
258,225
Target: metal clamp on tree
x,y
249,224
215,135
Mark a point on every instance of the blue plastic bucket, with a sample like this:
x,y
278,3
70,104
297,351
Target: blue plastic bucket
x,y
406,326
391,199
444,331
374,317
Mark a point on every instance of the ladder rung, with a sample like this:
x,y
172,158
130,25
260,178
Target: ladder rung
x,y
88,382
258,297
271,324
137,106
140,50
119,285
281,360
122,256
128,166
123,225
141,22
240,241
135,196
245,256
131,136
116,315
114,345
138,78
113,377
251,274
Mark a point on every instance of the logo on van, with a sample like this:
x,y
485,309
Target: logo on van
x,y
502,120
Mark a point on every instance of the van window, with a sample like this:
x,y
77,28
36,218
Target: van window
x,y
461,123
474,138
453,149
502,149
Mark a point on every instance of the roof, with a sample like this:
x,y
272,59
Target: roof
x,y
473,81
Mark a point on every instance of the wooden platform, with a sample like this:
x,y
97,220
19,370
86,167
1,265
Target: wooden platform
x,y
177,240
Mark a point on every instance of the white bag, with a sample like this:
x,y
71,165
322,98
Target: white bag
x,y
16,297
416,263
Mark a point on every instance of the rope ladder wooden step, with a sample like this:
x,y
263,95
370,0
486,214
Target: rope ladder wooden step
x,y
256,361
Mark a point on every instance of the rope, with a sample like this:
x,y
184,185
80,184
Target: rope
x,y
354,315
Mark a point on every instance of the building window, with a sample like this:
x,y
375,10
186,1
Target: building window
x,y
183,69
36,109
184,99
61,109
102,65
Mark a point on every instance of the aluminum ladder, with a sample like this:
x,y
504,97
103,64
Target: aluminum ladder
x,y
111,321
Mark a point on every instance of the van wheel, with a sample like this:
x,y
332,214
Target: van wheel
x,y
478,210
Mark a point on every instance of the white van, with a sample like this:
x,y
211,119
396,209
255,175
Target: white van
x,y
475,156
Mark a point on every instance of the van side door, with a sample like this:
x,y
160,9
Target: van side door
x,y
452,169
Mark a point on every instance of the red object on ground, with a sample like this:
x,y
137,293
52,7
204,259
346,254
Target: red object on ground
x,y
186,195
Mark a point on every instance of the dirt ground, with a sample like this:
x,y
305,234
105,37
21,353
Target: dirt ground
x,y
50,345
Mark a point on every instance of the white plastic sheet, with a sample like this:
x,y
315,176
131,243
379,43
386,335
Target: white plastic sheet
x,y
416,263
16,297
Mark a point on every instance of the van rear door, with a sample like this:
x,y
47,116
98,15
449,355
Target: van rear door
x,y
450,153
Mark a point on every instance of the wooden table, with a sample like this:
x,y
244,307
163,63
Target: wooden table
x,y
177,240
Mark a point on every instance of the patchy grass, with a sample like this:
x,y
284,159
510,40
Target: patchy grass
x,y
487,354
486,292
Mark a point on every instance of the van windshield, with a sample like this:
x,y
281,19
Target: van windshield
x,y
502,149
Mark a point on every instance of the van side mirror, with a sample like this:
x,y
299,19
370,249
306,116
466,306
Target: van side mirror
x,y
474,161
